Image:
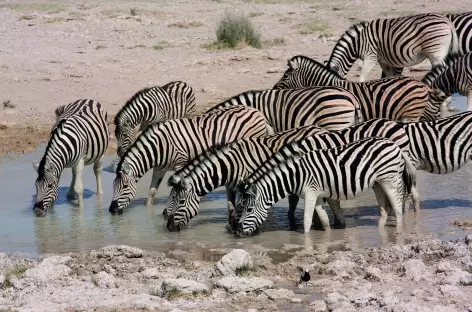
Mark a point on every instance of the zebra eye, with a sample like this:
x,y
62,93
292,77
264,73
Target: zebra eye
x,y
125,185
250,209
50,185
182,201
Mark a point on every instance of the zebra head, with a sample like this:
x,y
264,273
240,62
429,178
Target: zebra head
x,y
432,110
293,76
124,135
182,205
47,186
250,211
124,188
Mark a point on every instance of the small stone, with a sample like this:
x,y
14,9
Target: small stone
x,y
150,273
445,266
233,260
274,70
239,58
243,284
449,290
104,280
318,306
109,252
373,274
183,285
295,300
415,269
278,294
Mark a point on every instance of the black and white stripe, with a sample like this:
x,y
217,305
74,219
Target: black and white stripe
x,y
78,138
150,105
463,24
339,173
171,144
230,164
395,43
332,108
395,98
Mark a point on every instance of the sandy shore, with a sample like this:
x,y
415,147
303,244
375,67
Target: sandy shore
x,y
53,53
427,275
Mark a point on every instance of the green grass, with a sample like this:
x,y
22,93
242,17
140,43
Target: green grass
x,y
174,294
18,270
55,20
314,26
192,24
255,14
235,30
244,270
161,45
99,47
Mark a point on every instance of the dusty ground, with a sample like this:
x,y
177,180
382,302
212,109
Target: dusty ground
x,y
427,275
52,53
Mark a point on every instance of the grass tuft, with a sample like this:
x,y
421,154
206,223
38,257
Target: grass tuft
x,y
25,18
244,270
255,14
55,20
161,45
18,270
274,42
314,26
99,47
234,30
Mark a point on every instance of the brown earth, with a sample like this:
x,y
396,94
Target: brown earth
x,y
55,52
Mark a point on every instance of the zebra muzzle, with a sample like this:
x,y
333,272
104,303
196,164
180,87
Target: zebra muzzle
x,y
39,209
171,226
114,208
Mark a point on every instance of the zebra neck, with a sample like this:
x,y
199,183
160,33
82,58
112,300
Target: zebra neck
x,y
275,187
134,115
446,82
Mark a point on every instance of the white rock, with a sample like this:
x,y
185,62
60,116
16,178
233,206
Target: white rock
x,y
233,260
295,300
373,274
318,306
334,300
278,294
150,273
445,266
104,280
415,270
49,269
109,252
457,277
183,285
450,290
236,284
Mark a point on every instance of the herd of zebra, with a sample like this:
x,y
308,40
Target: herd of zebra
x,y
314,135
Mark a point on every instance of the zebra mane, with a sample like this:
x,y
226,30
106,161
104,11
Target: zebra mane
x,y
353,31
128,103
303,59
229,101
42,163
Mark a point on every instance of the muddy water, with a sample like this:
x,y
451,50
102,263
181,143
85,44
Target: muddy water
x,y
67,228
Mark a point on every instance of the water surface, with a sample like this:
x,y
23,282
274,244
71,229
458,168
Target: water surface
x,y
67,228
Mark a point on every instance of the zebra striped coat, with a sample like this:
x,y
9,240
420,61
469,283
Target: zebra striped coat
x,y
332,108
150,105
172,144
230,164
78,138
455,78
395,43
343,172
463,24
394,98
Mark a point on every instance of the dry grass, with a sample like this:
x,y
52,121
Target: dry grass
x,y
314,27
112,13
99,47
8,104
55,20
273,42
25,18
161,45
255,14
186,25
50,7
235,30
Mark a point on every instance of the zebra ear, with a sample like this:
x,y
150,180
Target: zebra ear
x,y
126,168
35,165
292,64
243,187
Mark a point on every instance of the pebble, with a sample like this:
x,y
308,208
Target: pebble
x,y
295,300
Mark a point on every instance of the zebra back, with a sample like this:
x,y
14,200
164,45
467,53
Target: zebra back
x,y
379,98
171,144
332,108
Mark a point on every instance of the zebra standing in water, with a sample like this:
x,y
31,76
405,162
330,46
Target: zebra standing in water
x,y
394,43
79,138
230,164
171,144
455,78
332,108
342,172
395,98
150,105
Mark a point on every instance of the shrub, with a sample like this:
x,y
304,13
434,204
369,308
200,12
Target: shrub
x,y
234,29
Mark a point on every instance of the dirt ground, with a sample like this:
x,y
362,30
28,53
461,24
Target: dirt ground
x,y
53,53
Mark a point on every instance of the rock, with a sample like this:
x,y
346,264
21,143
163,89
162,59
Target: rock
x,y
233,260
363,299
104,280
388,299
318,306
237,284
150,273
49,269
279,294
445,266
16,283
183,285
373,274
457,277
415,270
295,300
107,268
109,252
468,239
334,300
273,56
449,290
239,58
340,267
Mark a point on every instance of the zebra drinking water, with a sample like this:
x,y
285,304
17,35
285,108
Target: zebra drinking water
x,y
230,164
171,144
150,105
78,138
394,43
332,108
342,172
395,98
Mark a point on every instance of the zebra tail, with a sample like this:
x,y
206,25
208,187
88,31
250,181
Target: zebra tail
x,y
409,174
454,47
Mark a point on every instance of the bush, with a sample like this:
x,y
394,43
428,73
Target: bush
x,y
234,29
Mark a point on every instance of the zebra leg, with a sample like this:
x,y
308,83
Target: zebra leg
x,y
292,205
394,195
312,203
382,202
71,192
97,169
79,186
231,197
367,67
335,206
157,176
469,101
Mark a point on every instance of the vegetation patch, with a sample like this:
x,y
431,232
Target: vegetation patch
x,y
112,13
25,18
245,270
255,14
314,27
18,270
161,45
274,42
99,47
55,20
174,293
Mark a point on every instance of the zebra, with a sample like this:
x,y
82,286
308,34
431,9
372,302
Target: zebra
x,y
455,78
79,138
175,99
230,164
342,172
332,108
463,24
395,98
171,144
394,43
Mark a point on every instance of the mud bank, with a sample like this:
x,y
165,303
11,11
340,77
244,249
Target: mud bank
x,y
427,275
